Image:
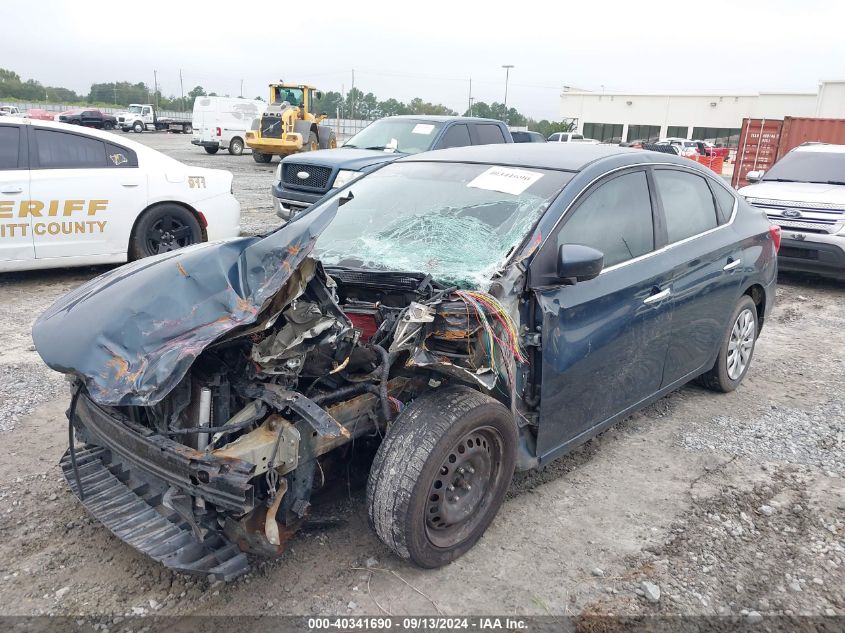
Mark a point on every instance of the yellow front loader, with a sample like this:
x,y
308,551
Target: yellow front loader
x,y
289,125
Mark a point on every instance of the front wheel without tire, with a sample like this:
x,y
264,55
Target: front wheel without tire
x,y
163,229
313,143
441,474
736,349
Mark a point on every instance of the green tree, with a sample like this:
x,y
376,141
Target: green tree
x,y
329,103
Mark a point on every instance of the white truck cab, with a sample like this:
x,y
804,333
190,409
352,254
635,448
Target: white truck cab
x,y
10,111
804,193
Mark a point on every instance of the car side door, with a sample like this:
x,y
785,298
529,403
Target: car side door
x,y
456,135
704,258
486,134
88,193
603,341
15,222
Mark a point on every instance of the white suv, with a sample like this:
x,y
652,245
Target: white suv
x,y
570,137
804,193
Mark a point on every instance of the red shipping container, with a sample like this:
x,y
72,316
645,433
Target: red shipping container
x,y
763,142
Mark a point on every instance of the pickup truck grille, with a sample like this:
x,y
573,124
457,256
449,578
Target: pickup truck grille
x,y
809,217
317,178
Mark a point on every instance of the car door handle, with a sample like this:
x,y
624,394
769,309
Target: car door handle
x,y
732,264
129,184
12,190
658,296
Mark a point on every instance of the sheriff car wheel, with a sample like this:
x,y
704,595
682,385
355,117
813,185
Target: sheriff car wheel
x,y
441,474
163,229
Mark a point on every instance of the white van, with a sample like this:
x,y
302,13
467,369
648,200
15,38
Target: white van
x,y
222,121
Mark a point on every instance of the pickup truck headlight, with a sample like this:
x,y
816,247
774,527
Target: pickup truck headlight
x,y
279,172
345,176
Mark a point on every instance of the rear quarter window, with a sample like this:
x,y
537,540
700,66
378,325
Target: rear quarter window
x,y
725,201
121,156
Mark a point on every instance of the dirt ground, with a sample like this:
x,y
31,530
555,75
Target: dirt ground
x,y
701,504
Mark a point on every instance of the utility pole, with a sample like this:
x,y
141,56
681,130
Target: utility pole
x,y
242,88
352,93
155,87
471,101
114,87
470,96
182,90
507,68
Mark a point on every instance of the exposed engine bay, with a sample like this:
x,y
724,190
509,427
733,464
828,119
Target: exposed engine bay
x,y
265,415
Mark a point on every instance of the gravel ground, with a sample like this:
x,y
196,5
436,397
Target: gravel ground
x,y
702,504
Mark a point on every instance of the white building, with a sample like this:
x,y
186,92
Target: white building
x,y
712,116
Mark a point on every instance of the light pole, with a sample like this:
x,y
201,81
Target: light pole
x,y
507,68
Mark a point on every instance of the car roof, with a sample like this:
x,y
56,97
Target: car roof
x,y
563,156
441,118
828,148
92,132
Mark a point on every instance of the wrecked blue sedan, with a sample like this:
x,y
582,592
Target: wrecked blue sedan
x,y
444,320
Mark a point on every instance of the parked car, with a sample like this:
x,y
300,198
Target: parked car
x,y
88,118
40,114
804,194
10,111
458,313
570,137
302,179
527,137
72,196
712,150
223,121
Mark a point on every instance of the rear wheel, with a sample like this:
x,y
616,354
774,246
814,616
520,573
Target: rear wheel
x,y
236,146
441,474
332,144
162,229
313,143
211,150
258,157
108,125
187,129
736,350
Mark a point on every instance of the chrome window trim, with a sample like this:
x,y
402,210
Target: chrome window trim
x,y
659,250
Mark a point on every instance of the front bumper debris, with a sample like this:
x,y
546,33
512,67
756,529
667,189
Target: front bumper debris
x,y
130,504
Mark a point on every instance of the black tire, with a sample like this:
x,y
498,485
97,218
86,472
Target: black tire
x,y
108,125
125,129
719,378
258,157
76,122
332,140
163,228
312,144
433,438
187,129
236,146
211,150
138,127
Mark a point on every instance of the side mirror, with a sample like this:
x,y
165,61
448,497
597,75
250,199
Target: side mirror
x,y
754,176
577,262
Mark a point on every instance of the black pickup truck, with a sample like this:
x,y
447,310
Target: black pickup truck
x,y
302,179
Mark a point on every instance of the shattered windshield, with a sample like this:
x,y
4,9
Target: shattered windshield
x,y
457,222
396,135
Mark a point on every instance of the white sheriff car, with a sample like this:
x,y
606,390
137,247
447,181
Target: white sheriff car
x,y
77,197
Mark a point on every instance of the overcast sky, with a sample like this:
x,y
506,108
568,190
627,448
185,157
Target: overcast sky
x,y
431,49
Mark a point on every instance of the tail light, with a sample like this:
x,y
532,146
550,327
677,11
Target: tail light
x,y
219,132
774,231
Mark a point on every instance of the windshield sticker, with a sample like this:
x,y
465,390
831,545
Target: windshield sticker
x,y
505,180
423,128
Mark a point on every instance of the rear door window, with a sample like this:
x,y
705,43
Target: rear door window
x,y
687,201
60,150
455,136
489,133
615,218
10,139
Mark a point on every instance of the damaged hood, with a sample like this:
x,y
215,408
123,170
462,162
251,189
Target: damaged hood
x,y
132,334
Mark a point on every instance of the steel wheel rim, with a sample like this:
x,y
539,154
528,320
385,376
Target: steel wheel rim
x,y
463,488
168,233
741,344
